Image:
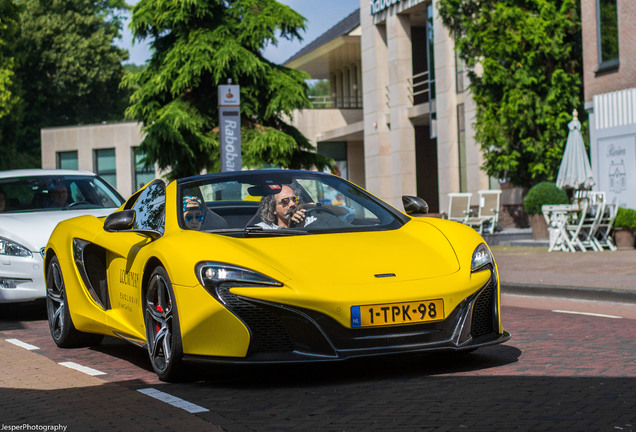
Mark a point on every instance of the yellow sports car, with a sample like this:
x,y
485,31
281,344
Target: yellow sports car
x,y
270,266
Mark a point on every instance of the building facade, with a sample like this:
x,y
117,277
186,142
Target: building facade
x,y
400,105
609,69
398,119
110,150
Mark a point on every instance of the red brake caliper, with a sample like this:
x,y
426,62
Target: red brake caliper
x,y
160,309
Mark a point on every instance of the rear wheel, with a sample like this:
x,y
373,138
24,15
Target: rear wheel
x,y
63,331
163,334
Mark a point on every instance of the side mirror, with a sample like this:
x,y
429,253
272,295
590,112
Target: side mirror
x,y
120,221
414,206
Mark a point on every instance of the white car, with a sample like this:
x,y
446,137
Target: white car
x,y
32,202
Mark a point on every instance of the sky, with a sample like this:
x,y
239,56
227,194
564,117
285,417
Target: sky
x,y
321,15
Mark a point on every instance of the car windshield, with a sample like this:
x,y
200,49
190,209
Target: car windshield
x,y
57,192
263,203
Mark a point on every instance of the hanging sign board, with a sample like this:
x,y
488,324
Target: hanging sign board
x,y
378,6
230,127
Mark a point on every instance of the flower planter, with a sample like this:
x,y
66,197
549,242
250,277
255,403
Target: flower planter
x,y
624,238
539,227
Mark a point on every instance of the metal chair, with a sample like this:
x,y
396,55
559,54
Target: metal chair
x,y
602,235
459,206
488,213
574,225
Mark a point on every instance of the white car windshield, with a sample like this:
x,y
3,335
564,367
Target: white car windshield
x,y
56,192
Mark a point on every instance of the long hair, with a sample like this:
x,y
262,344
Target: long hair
x,y
268,204
267,208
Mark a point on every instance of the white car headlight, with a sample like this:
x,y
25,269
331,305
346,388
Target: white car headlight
x,y
216,273
482,257
7,247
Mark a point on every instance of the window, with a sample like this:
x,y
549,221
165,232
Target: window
x,y
66,160
459,73
141,173
461,147
607,34
105,165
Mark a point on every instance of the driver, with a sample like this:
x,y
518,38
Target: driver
x,y
59,195
281,211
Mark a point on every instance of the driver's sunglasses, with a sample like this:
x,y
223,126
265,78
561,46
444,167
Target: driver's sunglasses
x,y
190,217
285,201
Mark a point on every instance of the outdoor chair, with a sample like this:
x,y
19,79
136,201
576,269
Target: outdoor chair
x,y
588,194
488,213
574,225
602,235
589,222
459,206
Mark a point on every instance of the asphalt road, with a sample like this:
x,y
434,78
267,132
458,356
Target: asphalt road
x,y
561,371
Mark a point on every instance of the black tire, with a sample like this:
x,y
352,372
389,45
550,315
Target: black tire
x,y
63,331
163,334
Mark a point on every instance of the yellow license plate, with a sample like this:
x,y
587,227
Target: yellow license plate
x,y
397,313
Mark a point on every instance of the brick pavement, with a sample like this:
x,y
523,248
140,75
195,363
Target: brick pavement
x,y
36,390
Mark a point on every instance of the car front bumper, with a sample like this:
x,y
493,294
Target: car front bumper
x,y
21,278
281,334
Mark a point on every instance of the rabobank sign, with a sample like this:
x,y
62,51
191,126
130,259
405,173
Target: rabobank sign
x,y
230,127
230,140
379,5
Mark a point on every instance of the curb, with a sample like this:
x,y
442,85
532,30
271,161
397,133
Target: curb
x,y
570,292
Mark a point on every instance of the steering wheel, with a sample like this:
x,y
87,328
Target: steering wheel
x,y
76,203
318,209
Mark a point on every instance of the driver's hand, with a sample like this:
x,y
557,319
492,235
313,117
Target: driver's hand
x,y
298,218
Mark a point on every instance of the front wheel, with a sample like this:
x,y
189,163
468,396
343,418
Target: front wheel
x,y
163,334
63,331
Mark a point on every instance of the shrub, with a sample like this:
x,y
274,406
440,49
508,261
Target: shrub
x,y
541,194
625,218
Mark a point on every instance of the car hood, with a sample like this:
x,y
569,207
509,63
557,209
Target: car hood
x,y
32,230
413,252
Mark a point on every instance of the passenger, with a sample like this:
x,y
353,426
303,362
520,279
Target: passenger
x,y
197,216
281,211
193,212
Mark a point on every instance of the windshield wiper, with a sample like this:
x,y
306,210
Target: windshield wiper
x,y
254,231
260,231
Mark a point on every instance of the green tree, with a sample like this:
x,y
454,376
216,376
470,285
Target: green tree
x,y
10,102
198,45
8,27
529,53
67,68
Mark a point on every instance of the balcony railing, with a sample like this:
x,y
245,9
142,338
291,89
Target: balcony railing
x,y
330,102
419,88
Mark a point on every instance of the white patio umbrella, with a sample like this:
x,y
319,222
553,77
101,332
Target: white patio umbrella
x,y
575,171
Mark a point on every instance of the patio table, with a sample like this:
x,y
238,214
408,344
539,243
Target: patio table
x,y
559,217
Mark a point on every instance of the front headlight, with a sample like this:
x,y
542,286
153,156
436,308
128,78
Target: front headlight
x,y
215,273
7,247
482,257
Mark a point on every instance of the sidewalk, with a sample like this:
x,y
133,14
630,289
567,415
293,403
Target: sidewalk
x,y
607,275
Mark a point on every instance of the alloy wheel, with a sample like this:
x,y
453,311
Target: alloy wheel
x,y
55,301
159,322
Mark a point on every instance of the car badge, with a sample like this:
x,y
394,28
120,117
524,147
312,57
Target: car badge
x,y
384,275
